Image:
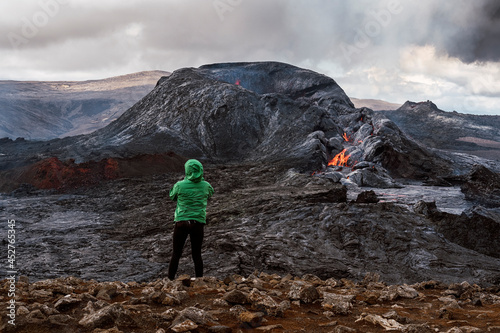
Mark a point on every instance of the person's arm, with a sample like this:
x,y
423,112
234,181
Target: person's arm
x,y
210,190
174,192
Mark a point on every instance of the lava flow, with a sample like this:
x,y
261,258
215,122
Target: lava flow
x,y
340,159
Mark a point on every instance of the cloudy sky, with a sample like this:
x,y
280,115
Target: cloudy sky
x,y
447,51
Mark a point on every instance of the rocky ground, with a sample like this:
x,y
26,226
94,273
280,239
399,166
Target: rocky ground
x,y
259,302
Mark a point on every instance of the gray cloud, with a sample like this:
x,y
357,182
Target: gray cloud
x,y
92,39
468,30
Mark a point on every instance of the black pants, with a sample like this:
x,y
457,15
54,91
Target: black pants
x,y
181,230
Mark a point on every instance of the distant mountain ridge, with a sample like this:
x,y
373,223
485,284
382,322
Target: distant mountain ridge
x,y
42,110
474,134
374,104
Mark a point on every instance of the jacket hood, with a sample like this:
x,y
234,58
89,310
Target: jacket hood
x,y
194,171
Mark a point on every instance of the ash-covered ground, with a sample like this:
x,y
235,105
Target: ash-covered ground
x,y
265,217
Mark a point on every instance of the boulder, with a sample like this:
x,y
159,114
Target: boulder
x,y
303,292
394,292
106,317
198,316
482,186
185,326
388,324
66,303
476,228
371,177
236,297
251,319
367,197
264,303
338,304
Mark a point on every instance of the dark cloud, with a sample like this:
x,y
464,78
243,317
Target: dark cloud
x,y
478,38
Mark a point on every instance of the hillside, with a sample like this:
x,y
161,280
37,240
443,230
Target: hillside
x,y
374,104
473,134
51,109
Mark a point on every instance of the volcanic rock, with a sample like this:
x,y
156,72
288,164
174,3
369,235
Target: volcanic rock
x,y
401,156
260,218
185,326
388,324
367,197
266,304
338,304
303,292
193,314
61,320
482,186
66,303
476,228
236,297
372,177
425,122
394,292
107,317
251,319
429,209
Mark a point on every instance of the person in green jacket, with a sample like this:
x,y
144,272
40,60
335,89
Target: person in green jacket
x,y
191,195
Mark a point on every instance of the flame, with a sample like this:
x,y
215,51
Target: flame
x,y
346,138
238,82
340,159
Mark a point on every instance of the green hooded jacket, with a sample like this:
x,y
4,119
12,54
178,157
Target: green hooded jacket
x,y
192,194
